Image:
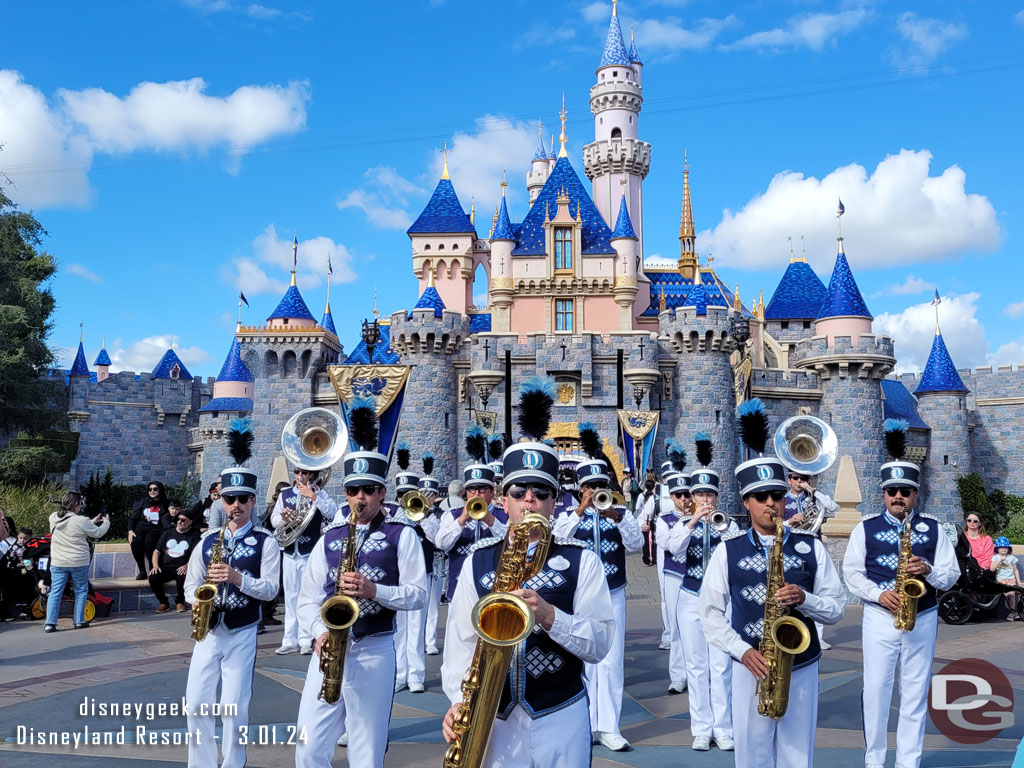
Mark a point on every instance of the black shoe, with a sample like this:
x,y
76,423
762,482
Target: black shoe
x,y
83,625
260,629
141,577
270,621
50,628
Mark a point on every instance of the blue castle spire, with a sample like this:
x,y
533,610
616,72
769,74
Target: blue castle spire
x,y
623,226
165,368
503,229
79,367
292,306
542,152
634,54
615,53
430,299
444,213
843,299
234,369
940,375
103,358
327,323
799,295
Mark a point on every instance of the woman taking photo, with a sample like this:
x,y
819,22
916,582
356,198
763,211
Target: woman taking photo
x,y
145,526
982,547
70,553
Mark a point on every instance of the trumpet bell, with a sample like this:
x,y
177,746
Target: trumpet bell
x,y
415,505
477,508
806,445
603,499
315,439
719,520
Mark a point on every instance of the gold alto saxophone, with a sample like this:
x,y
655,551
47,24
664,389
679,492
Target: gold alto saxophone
x,y
782,638
909,589
202,603
339,613
501,622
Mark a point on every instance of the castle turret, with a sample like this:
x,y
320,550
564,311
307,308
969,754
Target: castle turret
x,y
291,313
634,57
501,288
617,153
79,367
624,242
233,390
541,167
942,403
78,383
793,308
102,363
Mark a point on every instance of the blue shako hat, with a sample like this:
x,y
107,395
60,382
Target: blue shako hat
x,y
427,483
678,481
898,472
477,473
666,469
763,473
592,469
704,479
405,480
239,480
365,466
532,461
676,462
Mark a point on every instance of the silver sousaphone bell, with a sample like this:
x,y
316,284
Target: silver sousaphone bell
x,y
806,445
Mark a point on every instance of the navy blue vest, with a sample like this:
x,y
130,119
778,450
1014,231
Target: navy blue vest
x,y
473,532
304,544
544,677
604,540
693,571
671,563
882,550
377,560
232,607
794,504
748,576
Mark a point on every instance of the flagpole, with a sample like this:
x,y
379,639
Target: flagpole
x,y
239,326
328,281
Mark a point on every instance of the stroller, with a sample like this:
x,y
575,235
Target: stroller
x,y
976,591
37,562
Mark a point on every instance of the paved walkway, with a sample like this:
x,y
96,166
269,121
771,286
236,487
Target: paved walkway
x,y
142,658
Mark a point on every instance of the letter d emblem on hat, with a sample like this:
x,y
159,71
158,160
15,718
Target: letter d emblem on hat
x,y
531,459
764,472
359,466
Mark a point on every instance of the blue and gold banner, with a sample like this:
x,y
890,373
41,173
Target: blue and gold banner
x,y
639,431
386,383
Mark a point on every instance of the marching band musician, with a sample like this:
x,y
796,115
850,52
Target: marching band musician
x,y
735,581
670,573
296,554
543,718
870,569
389,578
708,673
246,575
609,534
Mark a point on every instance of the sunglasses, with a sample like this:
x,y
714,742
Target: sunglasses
x,y
355,490
763,496
153,488
973,520
540,492
230,500
679,494
904,492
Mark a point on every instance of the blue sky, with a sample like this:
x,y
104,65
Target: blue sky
x,y
173,149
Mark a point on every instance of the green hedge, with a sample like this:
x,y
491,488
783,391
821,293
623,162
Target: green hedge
x,y
1002,513
31,506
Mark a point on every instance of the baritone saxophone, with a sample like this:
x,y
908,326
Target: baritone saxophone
x,y
339,613
501,622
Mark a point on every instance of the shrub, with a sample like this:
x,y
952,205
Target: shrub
x,y
28,466
31,506
974,499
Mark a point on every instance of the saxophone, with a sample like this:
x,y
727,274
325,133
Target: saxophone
x,y
501,622
206,593
909,589
782,637
339,613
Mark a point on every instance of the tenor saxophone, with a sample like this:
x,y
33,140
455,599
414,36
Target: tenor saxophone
x,y
909,589
339,613
206,593
501,621
782,638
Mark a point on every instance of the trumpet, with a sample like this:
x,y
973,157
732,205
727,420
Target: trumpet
x,y
477,508
415,505
604,499
719,519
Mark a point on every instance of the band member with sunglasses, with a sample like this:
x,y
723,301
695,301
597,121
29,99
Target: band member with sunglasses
x,y
246,576
800,494
869,568
296,555
543,715
609,534
708,670
670,573
389,577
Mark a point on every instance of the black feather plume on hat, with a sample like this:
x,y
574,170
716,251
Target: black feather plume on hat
x,y
402,455
428,463
753,424
495,446
240,439
476,443
896,437
676,454
362,422
590,441
704,450
536,398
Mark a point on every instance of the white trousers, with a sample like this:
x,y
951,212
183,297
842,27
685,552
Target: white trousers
x,y
884,646
561,739
676,653
765,743
410,651
604,679
433,608
707,673
367,688
666,619
293,567
227,658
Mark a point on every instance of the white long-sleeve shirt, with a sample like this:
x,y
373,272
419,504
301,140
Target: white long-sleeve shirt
x,y
328,508
677,538
945,570
585,633
823,500
629,529
263,588
825,603
647,511
409,594
449,531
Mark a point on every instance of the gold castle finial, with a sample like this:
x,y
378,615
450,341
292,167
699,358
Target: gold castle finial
x,y
688,262
444,169
661,298
562,138
81,332
736,303
504,181
104,345
792,256
615,7
472,210
803,247
376,312
631,33
430,273
295,256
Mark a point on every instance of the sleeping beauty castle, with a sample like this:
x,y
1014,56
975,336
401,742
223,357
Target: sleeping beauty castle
x,y
646,348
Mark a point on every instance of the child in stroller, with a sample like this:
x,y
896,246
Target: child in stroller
x,y
37,562
1004,565
977,590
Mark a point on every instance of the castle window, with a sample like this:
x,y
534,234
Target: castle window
x,y
440,247
945,459
426,247
563,248
615,73
807,324
563,314
785,325
175,371
616,133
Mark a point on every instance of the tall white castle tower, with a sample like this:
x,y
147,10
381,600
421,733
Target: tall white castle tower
x,y
617,153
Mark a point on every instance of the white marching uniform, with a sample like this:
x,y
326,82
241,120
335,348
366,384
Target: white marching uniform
x,y
410,626
762,742
671,585
293,565
367,687
605,678
562,737
225,657
885,646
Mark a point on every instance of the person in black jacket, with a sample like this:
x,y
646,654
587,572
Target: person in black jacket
x,y
200,513
170,561
145,526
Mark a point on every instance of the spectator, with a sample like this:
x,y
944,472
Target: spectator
x,y
981,543
170,561
16,583
145,526
1004,563
456,496
70,553
174,511
646,515
7,536
200,513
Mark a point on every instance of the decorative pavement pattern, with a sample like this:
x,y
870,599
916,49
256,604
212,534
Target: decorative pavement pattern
x,y
139,657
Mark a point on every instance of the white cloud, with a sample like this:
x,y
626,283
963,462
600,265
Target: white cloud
x,y
925,39
595,12
913,330
669,34
1019,17
897,215
544,34
912,286
143,355
82,271
1014,310
258,11
1008,354
813,30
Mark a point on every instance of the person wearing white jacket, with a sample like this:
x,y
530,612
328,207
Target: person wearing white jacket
x,y
70,555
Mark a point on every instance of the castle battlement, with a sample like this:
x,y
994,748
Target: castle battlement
x,y
786,382
422,331
690,332
872,355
